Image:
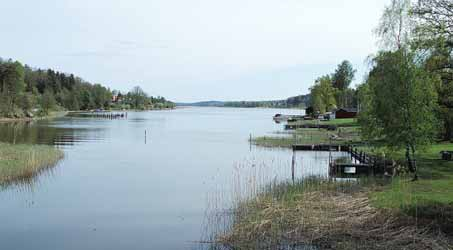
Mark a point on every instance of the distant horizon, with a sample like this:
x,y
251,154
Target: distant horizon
x,y
192,51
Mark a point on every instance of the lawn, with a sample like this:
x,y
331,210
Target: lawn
x,y
351,122
431,197
342,135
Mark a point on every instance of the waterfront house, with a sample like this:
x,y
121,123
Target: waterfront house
x,y
344,113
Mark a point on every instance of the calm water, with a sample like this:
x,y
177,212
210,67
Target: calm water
x,y
114,190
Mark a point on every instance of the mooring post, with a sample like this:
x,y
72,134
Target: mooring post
x,y
293,163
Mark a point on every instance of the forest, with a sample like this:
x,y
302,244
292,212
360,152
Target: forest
x,y
29,92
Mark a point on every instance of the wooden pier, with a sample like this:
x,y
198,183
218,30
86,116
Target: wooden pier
x,y
320,147
350,169
362,162
318,126
104,115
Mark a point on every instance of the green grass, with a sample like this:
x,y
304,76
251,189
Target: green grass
x,y
24,161
343,135
431,197
351,122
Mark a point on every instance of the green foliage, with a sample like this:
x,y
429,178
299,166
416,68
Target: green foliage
x,y
323,95
22,89
343,75
12,86
434,38
47,102
401,101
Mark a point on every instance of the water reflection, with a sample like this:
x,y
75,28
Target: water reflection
x,y
136,195
60,132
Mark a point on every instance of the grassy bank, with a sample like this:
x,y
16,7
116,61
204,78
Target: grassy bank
x,y
347,132
24,161
430,198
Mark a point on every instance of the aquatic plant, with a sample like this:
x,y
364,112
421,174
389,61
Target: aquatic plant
x,y
19,162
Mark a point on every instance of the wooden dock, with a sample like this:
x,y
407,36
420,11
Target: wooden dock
x,y
362,162
318,126
350,169
104,115
321,147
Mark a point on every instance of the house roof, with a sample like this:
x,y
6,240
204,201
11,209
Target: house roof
x,y
349,110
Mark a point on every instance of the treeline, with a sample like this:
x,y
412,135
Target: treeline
x,y
139,99
333,90
300,101
26,92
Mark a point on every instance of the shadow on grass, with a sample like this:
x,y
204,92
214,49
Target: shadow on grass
x,y
436,215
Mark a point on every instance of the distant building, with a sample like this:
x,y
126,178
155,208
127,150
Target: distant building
x,y
344,113
116,98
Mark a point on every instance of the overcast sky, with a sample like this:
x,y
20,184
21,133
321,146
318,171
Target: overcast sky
x,y
192,50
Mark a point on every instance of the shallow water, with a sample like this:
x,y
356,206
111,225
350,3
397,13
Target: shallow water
x,y
117,190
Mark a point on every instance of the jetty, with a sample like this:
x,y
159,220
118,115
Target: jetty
x,y
362,163
318,126
100,114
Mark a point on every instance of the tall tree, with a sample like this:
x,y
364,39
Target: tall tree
x,y
434,38
402,104
323,94
137,98
343,76
12,87
396,25
341,80
47,102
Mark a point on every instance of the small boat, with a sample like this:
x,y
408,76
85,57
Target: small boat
x,y
284,118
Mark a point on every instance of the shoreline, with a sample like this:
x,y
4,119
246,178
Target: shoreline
x,y
53,115
378,213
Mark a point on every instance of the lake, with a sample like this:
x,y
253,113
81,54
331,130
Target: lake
x,y
116,189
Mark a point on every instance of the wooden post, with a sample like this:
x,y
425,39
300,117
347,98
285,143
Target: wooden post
x,y
293,163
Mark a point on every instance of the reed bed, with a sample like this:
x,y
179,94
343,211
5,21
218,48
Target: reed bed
x,y
19,162
314,212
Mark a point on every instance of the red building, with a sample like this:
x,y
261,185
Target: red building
x,y
344,113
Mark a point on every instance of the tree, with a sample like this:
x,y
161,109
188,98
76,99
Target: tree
x,y
137,98
12,86
341,79
323,95
434,20
396,25
343,76
47,101
402,104
434,38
